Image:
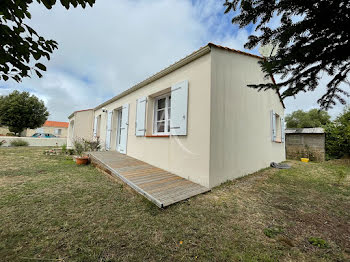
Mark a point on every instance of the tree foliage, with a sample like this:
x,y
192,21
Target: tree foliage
x,y
313,38
20,43
312,118
338,136
19,111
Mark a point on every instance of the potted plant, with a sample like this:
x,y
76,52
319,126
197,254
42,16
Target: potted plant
x,y
79,149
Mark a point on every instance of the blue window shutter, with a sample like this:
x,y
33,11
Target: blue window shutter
x,y
179,105
282,130
273,126
140,123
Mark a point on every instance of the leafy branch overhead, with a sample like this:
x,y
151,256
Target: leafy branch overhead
x,y
313,38
20,43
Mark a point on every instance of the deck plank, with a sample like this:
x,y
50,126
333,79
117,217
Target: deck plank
x,y
159,186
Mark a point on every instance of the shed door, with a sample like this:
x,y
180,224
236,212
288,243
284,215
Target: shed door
x,y
124,124
109,130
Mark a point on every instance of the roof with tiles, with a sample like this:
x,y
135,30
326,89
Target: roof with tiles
x,y
56,124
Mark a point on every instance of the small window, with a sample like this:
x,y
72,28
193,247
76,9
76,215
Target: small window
x,y
58,131
162,114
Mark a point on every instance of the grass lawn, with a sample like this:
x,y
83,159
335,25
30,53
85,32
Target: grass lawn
x,y
53,210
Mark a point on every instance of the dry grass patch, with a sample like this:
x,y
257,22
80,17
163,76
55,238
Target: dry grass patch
x,y
51,209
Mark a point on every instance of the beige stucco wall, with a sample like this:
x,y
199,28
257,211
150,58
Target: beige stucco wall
x,y
240,128
80,126
4,130
186,156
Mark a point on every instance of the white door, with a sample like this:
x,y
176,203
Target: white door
x,y
109,130
123,125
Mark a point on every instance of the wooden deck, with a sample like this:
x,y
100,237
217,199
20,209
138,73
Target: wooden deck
x,y
159,186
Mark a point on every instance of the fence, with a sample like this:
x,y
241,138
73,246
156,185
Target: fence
x,y
34,141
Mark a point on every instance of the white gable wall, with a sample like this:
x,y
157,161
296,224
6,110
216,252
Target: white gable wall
x,y
240,128
80,126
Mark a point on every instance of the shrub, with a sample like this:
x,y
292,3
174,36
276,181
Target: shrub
x,y
19,142
338,136
78,147
70,151
318,242
10,134
272,231
2,142
92,145
64,148
83,145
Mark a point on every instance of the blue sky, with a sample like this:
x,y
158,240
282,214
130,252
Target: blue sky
x,y
108,48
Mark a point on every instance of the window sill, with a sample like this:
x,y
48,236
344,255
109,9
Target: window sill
x,y
158,136
280,142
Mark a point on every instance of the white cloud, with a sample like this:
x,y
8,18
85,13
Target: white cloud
x,y
106,49
307,101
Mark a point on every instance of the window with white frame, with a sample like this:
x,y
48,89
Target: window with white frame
x,y
162,114
58,131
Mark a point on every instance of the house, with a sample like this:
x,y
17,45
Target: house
x,y
59,129
306,142
197,118
80,126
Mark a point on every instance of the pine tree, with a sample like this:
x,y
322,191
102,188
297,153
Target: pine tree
x,y
313,38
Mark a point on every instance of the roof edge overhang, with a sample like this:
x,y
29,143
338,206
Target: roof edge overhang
x,y
186,60
72,114
199,53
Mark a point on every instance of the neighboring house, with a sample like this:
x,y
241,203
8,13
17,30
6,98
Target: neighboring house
x,y
197,118
3,130
59,129
80,126
306,142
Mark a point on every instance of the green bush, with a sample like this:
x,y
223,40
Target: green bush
x,y
338,136
19,142
64,148
78,147
272,231
318,242
70,151
92,145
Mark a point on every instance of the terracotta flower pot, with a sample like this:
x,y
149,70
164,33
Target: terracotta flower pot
x,y
82,160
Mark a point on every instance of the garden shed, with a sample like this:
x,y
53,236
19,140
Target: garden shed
x,y
305,142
